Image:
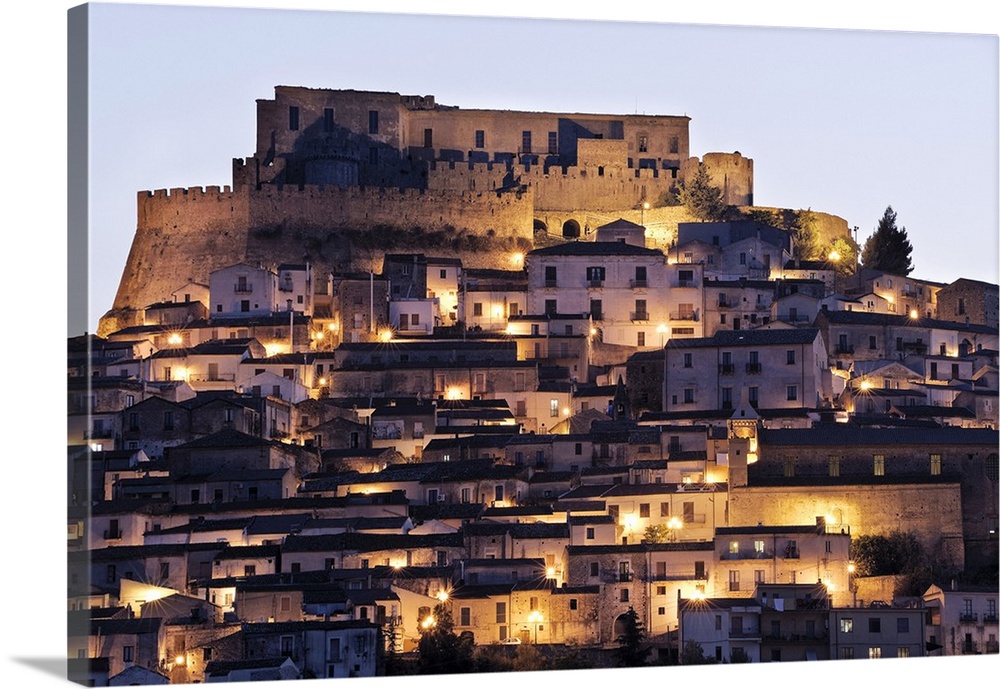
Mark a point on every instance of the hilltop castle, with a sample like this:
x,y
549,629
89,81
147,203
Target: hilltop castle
x,y
340,177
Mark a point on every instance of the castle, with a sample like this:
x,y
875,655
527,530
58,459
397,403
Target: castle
x,y
340,176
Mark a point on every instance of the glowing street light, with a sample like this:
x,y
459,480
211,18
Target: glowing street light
x,y
442,596
517,259
535,617
675,525
428,622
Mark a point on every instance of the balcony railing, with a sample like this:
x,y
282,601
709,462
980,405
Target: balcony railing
x,y
595,283
792,554
969,648
112,534
684,316
597,316
243,289
639,316
638,284
746,555
744,633
624,576
990,618
727,369
844,349
212,378
551,283
723,304
968,617
101,433
753,368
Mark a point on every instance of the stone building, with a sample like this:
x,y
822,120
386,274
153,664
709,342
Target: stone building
x,y
970,301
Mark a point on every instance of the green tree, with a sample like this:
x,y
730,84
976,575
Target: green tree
x,y
703,200
842,254
632,648
738,655
888,248
441,650
694,654
656,533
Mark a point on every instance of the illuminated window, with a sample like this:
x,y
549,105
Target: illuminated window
x,y
879,462
935,465
734,547
903,652
846,625
734,580
553,408
847,653
758,547
874,652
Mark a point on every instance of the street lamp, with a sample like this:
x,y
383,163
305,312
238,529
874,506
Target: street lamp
x,y
535,618
675,526
662,329
642,213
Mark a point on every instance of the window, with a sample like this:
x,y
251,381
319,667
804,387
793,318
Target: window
x,y
688,360
526,142
833,462
847,653
846,625
480,138
903,652
464,616
664,509
287,645
428,138
874,652
688,395
699,569
903,625
689,512
643,143
590,533
872,342
743,258
498,493
640,339
551,307
790,356
758,576
874,625
553,142
327,120
792,392
594,569
727,398
623,595
879,462
477,309
758,547
249,570
573,604
753,395
293,118
644,510
935,465
674,144
734,547
734,580
168,421
789,468
553,408
501,612
128,654
373,121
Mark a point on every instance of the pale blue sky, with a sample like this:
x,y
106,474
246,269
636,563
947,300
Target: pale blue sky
x,y
844,122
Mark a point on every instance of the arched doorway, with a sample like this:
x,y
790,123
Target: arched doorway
x,y
571,229
540,226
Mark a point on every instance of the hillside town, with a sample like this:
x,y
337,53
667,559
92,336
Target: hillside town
x,y
623,424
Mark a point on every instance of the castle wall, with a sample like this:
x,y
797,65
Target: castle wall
x,y
730,172
932,511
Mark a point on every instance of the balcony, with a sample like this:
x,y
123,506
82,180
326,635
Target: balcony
x,y
113,534
727,369
551,283
685,283
990,618
636,316
625,576
753,368
917,346
791,554
844,349
98,433
212,377
595,284
968,617
970,648
684,316
243,289
744,633
724,304
746,555
638,284
597,316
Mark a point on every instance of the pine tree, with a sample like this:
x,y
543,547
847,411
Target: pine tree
x,y
632,648
888,248
441,650
703,200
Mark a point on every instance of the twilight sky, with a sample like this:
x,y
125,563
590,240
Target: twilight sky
x,y
844,122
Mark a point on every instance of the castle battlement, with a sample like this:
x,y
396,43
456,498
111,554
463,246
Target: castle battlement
x,y
187,193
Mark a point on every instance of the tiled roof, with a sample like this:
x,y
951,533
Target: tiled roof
x,y
884,319
848,434
596,249
748,338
